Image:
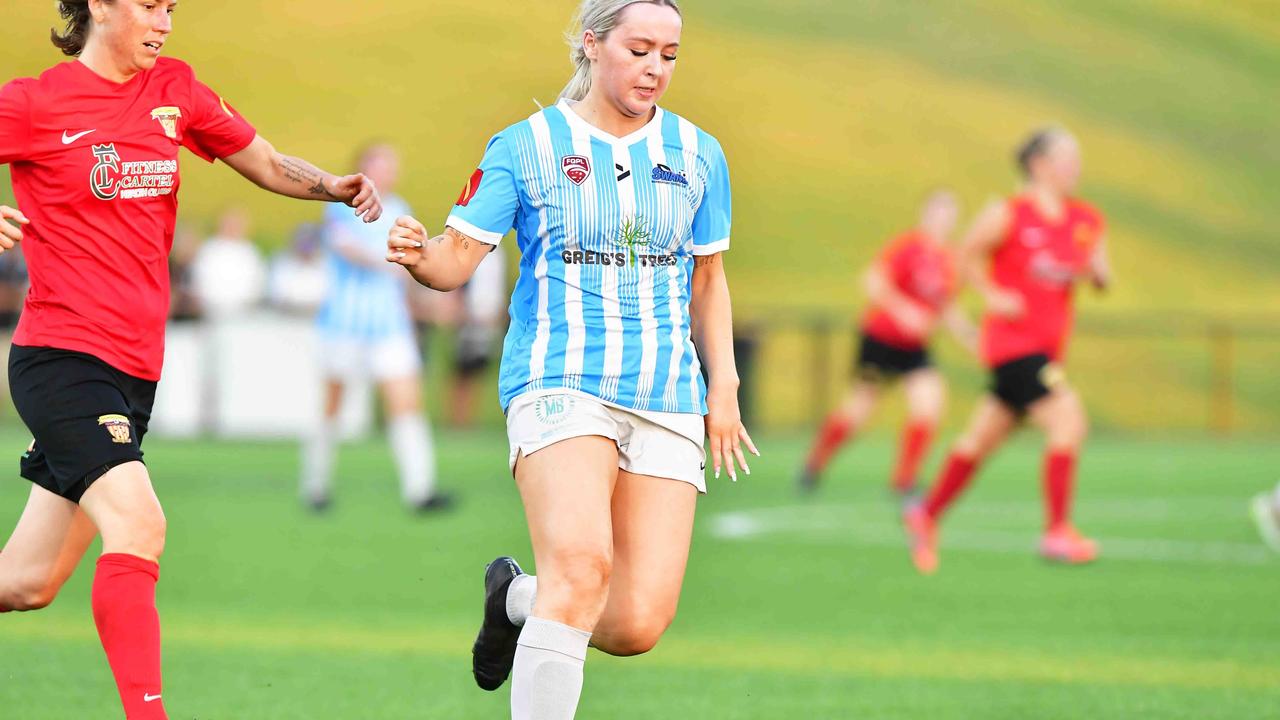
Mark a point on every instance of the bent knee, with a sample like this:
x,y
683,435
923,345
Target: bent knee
x,y
576,580
32,595
636,636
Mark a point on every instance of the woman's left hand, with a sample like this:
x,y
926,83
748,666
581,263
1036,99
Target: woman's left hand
x,y
726,431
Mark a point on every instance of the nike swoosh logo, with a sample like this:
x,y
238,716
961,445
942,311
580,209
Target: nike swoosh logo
x,y
67,140
150,698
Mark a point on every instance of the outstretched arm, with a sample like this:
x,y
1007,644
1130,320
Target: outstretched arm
x,y
444,262
293,177
711,314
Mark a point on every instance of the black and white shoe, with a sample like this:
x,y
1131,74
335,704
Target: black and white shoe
x,y
495,649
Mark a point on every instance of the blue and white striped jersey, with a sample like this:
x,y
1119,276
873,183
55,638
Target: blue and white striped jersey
x,y
366,298
608,229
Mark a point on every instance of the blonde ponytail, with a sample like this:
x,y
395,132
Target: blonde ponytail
x,y
600,17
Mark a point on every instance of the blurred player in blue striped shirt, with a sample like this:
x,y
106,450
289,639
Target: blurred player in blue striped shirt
x,y
621,211
366,333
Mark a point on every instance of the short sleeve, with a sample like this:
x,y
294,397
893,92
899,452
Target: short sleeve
x,y
15,122
712,220
215,129
487,207
896,261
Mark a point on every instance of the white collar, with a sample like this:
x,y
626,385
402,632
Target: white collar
x,y
654,126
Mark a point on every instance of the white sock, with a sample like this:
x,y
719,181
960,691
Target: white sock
x,y
521,593
414,451
317,461
546,681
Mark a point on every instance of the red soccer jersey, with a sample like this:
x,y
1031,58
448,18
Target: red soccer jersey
x,y
1040,259
95,168
924,272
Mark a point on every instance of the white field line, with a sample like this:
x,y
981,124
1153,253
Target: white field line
x,y
833,524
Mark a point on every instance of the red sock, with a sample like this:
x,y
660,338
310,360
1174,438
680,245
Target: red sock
x,y
955,477
124,609
915,442
1059,479
835,430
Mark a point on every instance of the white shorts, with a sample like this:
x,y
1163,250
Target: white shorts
x,y
665,445
350,359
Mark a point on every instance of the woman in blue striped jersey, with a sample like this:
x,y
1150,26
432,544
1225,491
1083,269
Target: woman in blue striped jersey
x,y
621,211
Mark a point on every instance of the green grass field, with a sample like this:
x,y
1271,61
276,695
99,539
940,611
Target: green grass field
x,y
791,609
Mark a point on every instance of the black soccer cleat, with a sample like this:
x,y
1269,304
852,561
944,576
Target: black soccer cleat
x,y
438,502
494,651
807,482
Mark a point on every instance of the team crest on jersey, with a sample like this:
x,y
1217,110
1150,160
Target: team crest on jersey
x,y
119,427
576,167
168,117
664,174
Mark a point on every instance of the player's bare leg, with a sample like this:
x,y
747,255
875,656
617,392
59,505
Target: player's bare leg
x,y
990,425
412,443
51,537
1062,418
318,450
851,416
567,490
652,528
926,394
124,507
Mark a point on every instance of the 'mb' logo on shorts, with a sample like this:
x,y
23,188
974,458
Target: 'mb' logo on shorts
x,y
553,409
118,426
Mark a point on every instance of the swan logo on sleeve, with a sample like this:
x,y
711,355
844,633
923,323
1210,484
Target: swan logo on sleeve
x,y
576,167
168,117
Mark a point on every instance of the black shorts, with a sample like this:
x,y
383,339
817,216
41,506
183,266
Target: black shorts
x,y
474,351
880,362
1020,383
86,416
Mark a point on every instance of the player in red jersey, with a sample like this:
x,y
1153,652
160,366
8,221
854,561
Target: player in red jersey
x,y
92,146
912,287
1025,255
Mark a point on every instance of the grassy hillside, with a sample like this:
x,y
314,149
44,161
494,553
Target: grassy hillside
x,y
836,117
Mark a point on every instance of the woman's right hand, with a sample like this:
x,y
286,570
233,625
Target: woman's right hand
x,y
10,233
1007,304
914,319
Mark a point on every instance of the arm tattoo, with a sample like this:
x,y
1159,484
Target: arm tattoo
x,y
304,173
705,260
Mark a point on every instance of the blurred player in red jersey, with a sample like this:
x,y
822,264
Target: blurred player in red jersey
x,y
1024,255
911,287
92,146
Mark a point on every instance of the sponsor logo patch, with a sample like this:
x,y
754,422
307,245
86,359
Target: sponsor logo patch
x,y
576,167
553,409
119,427
664,174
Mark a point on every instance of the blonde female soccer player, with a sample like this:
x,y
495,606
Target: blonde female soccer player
x,y
621,211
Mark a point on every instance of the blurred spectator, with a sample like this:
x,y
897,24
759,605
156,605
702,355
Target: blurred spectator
x,y
484,301
13,287
183,303
366,333
299,274
228,273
